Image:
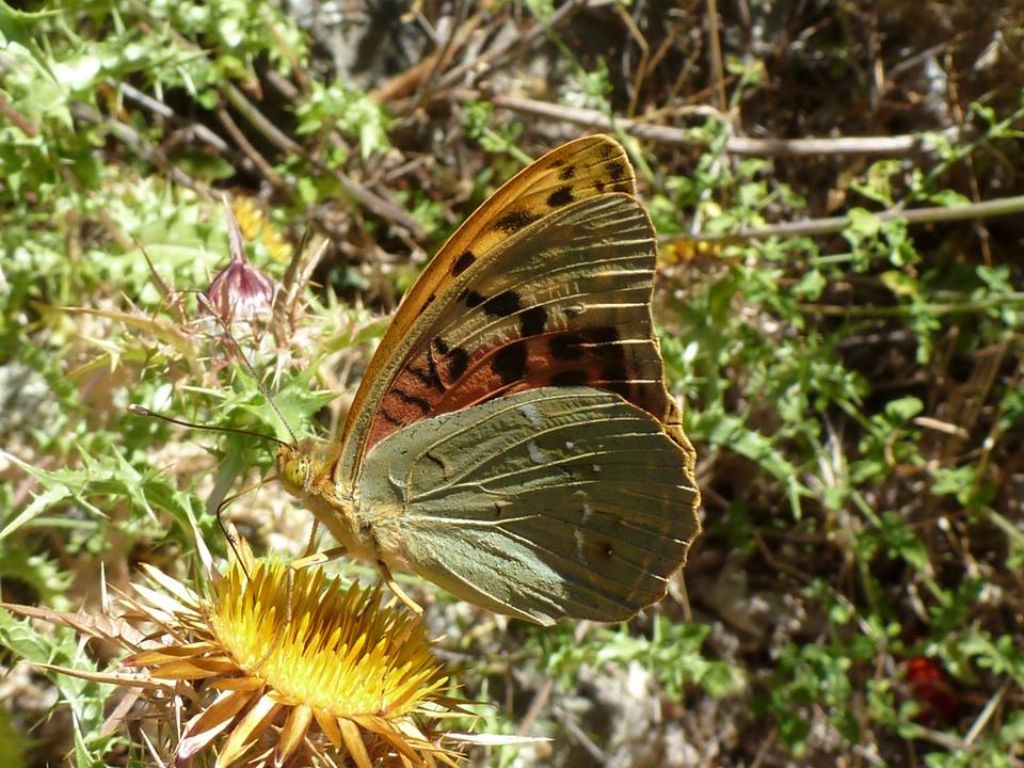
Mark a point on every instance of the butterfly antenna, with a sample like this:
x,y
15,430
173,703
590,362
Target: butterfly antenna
x,y
229,531
237,349
141,410
230,534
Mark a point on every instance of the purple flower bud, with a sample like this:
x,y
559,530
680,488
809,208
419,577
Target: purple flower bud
x,y
240,292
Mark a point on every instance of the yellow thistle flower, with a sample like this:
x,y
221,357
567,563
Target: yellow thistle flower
x,y
290,669
273,666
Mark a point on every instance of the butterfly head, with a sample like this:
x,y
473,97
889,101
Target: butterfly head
x,y
300,465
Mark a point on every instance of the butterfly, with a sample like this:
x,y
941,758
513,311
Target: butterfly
x,y
513,440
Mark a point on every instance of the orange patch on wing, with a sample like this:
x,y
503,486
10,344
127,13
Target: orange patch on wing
x,y
441,380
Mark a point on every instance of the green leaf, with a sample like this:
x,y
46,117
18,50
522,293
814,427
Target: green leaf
x,y
900,283
96,479
903,409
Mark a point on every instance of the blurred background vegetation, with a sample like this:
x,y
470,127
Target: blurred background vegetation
x,y
854,389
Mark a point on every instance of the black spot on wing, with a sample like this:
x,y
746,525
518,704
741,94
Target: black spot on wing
x,y
431,377
601,334
566,346
567,173
622,388
502,305
464,262
474,299
605,340
458,362
599,341
510,363
561,196
427,376
617,170
513,221
572,378
533,321
599,185
441,345
614,372
432,363
405,397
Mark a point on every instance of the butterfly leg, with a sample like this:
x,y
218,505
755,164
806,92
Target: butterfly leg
x,y
387,578
318,558
311,544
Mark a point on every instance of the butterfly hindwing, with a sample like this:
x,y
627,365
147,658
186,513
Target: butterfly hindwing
x,y
546,503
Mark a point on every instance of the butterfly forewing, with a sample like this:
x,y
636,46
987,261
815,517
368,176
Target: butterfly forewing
x,y
583,169
566,304
546,503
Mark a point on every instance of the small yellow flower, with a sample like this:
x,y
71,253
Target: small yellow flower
x,y
290,669
257,228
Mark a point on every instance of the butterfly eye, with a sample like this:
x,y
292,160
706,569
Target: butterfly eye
x,y
295,471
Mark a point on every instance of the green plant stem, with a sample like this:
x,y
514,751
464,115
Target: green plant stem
x,y
905,310
372,202
833,224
